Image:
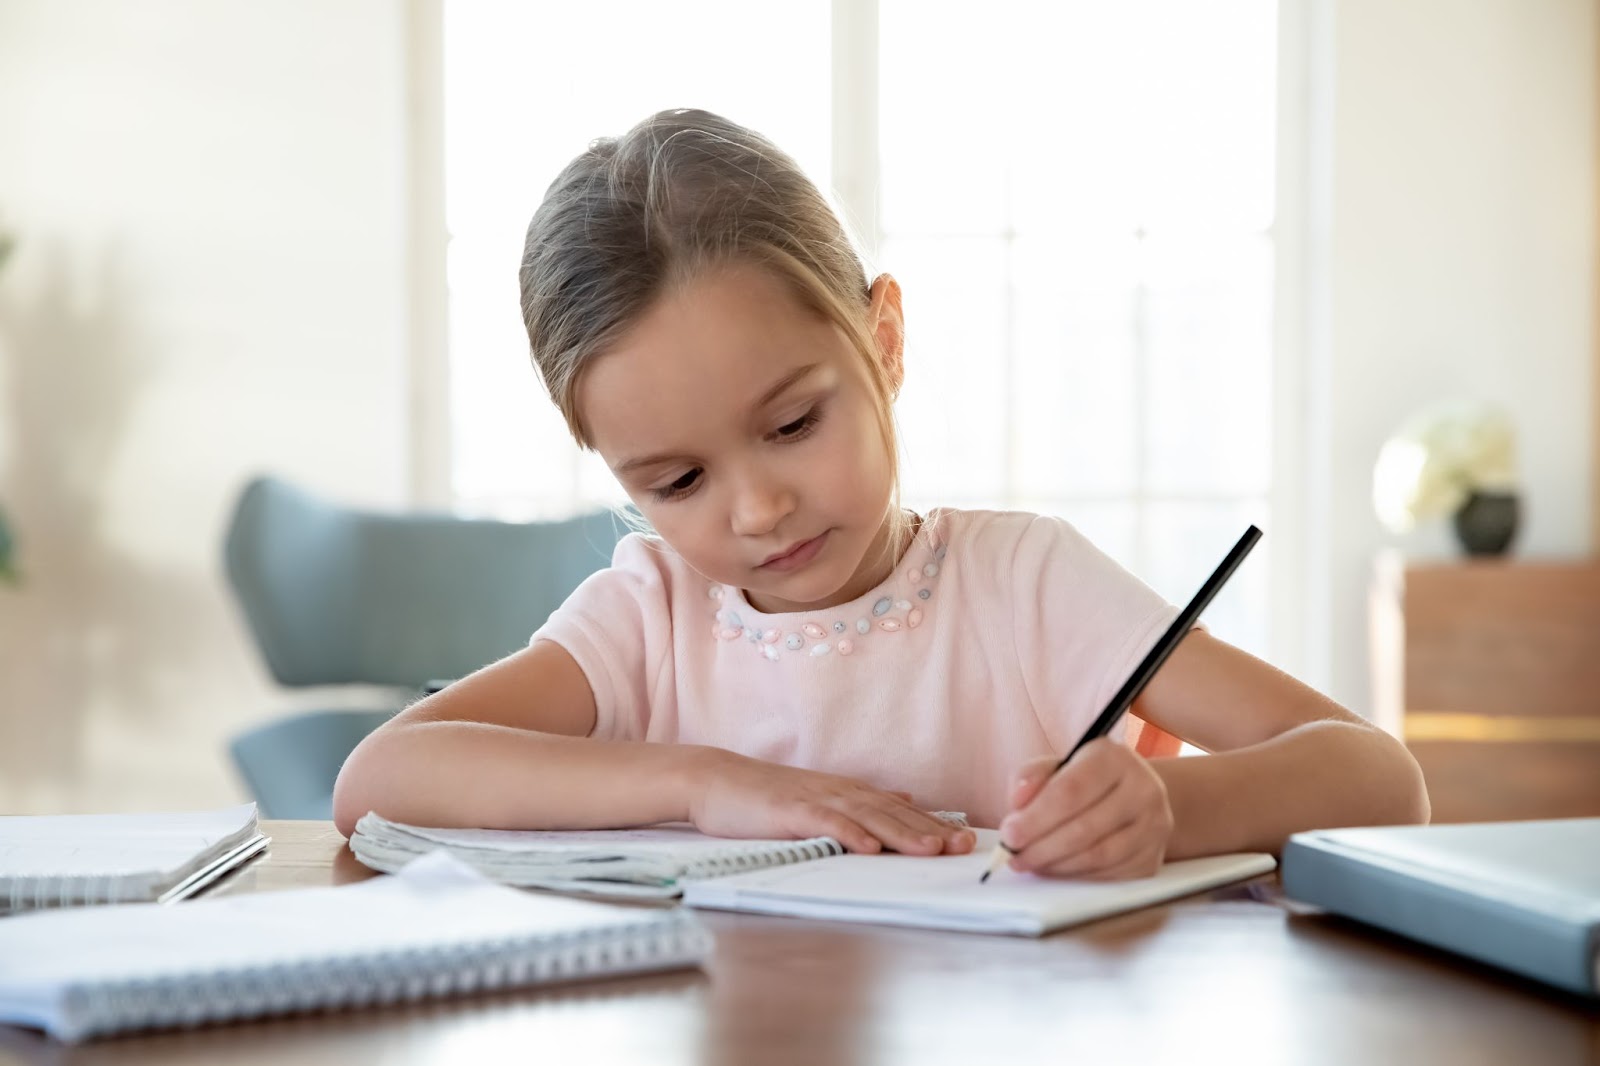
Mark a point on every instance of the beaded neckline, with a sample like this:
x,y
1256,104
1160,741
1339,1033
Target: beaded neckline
x,y
901,604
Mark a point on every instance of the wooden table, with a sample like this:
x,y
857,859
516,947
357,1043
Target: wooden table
x,y
1228,977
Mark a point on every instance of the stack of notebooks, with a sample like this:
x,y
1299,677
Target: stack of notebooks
x,y
806,878
72,860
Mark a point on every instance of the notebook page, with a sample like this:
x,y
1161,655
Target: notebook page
x,y
943,891
114,845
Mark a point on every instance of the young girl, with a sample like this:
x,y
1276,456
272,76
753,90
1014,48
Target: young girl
x,y
793,654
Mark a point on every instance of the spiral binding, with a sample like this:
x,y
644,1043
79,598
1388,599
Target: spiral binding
x,y
738,860
187,1000
68,890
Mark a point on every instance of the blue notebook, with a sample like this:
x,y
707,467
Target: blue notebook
x,y
1521,895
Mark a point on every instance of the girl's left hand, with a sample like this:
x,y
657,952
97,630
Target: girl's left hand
x,y
1104,817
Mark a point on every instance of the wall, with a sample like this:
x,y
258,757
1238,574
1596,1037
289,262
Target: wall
x,y
1460,260
210,282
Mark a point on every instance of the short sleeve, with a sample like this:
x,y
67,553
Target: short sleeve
x,y
617,626
1082,624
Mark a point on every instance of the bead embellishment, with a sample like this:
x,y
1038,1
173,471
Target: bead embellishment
x,y
818,638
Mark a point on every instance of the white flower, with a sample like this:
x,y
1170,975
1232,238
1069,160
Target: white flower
x,y
1439,456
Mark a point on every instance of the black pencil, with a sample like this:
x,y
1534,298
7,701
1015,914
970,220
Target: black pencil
x,y
1152,662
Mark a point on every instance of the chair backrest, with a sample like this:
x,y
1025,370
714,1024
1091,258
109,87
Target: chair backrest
x,y
336,595
290,763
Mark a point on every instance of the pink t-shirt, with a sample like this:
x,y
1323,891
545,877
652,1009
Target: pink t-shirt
x,y
999,638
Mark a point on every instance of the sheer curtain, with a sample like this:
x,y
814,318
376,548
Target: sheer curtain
x,y
1078,199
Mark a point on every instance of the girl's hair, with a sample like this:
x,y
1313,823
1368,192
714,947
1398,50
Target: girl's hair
x,y
682,193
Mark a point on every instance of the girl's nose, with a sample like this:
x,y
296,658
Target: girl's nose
x,y
759,505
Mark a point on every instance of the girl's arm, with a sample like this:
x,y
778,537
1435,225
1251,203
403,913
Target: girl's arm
x,y
503,748
508,748
1284,758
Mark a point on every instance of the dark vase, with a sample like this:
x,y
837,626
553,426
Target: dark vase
x,y
1486,523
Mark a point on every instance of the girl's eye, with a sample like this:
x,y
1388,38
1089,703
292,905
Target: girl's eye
x,y
679,487
801,427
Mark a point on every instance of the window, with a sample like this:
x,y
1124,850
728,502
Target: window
x,y
1077,199
526,87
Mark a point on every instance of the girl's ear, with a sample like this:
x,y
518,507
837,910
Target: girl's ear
x,y
888,323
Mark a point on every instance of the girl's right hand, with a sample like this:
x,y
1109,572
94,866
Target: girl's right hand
x,y
735,796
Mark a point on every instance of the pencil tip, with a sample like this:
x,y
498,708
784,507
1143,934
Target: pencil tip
x,y
985,876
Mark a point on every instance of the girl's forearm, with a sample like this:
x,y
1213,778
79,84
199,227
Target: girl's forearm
x,y
1318,775
473,774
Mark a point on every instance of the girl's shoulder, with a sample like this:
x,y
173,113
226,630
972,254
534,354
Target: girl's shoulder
x,y
1021,549
643,569
647,559
980,534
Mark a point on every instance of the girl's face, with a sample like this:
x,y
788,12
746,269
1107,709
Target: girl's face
x,y
744,427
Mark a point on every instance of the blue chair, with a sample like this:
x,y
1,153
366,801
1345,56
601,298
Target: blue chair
x,y
336,596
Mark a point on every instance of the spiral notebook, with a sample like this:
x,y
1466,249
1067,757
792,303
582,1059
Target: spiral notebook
x,y
436,929
74,859
652,863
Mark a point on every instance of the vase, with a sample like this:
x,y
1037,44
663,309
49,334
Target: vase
x,y
1486,522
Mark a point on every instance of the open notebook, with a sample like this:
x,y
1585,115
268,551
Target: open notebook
x,y
943,892
438,928
71,859
806,878
653,863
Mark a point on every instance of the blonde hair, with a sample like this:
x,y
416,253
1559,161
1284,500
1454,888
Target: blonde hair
x,y
683,193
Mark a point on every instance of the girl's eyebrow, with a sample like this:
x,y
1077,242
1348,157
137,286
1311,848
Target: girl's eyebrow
x,y
784,384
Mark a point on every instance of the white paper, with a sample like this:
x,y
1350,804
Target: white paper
x,y
113,845
943,891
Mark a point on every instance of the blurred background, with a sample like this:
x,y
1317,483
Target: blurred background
x,y
1169,268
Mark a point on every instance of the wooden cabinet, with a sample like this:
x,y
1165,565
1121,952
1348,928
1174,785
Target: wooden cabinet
x,y
1490,671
